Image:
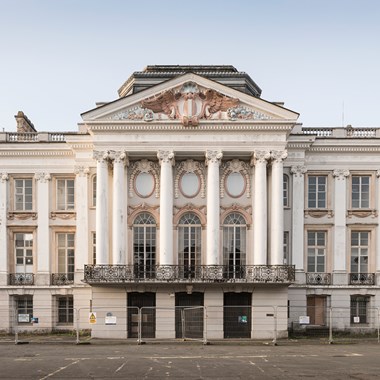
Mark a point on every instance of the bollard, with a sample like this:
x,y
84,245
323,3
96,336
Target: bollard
x,y
77,325
275,325
330,327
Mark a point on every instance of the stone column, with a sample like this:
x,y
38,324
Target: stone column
x,y
102,228
166,159
298,207
260,208
277,208
81,207
213,160
43,252
3,229
340,208
119,217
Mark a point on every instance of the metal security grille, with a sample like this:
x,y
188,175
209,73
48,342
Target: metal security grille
x,y
147,301
189,315
237,320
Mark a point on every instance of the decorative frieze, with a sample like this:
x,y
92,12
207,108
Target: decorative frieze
x,y
298,170
62,215
243,113
18,215
135,113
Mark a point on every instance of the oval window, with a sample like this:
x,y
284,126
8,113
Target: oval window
x,y
235,184
190,185
144,184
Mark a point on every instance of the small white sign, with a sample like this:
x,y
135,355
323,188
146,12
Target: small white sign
x,y
356,319
304,320
110,320
23,318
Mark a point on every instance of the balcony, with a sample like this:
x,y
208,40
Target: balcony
x,y
62,278
318,278
21,279
120,274
362,278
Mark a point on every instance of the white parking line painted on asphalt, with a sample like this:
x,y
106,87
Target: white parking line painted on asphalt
x,y
59,370
255,365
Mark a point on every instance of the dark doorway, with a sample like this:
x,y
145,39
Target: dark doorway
x,y
147,301
237,315
188,315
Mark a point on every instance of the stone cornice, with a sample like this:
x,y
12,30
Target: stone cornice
x,y
368,149
25,153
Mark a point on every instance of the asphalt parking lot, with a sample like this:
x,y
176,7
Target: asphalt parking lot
x,y
189,361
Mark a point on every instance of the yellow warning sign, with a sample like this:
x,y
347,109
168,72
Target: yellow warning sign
x,y
92,318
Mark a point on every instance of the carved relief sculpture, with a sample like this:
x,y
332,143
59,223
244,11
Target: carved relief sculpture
x,y
235,166
144,166
190,166
189,105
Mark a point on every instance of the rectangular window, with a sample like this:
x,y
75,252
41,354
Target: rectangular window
x,y
65,310
24,306
94,191
359,251
24,252
360,187
316,251
66,254
317,191
65,194
286,190
23,194
286,248
94,248
359,309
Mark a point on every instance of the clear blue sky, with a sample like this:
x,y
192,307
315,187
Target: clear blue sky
x,y
60,57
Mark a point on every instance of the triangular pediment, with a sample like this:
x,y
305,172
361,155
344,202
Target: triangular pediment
x,y
189,99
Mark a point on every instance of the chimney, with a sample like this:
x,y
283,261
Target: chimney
x,y
24,125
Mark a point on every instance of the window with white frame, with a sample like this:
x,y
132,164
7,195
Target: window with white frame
x,y
316,251
360,191
317,191
66,254
144,245
65,306
23,191
359,251
286,190
234,244
189,244
359,309
65,194
23,246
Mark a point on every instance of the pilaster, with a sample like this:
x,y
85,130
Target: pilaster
x,y
3,229
43,251
340,231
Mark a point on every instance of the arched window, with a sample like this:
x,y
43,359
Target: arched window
x,y
144,245
189,245
234,245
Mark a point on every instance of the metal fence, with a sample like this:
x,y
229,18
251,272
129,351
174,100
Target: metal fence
x,y
192,323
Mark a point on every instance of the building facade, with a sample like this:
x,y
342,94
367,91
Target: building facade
x,y
189,190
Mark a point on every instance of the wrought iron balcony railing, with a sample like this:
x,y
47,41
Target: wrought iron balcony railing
x,y
102,274
62,278
362,278
21,279
318,278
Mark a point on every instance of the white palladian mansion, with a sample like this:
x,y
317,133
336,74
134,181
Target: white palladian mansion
x,y
188,190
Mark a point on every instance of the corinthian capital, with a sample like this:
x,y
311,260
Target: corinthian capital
x,y
42,177
341,173
4,177
213,156
101,156
165,156
298,170
278,155
260,156
120,157
81,171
